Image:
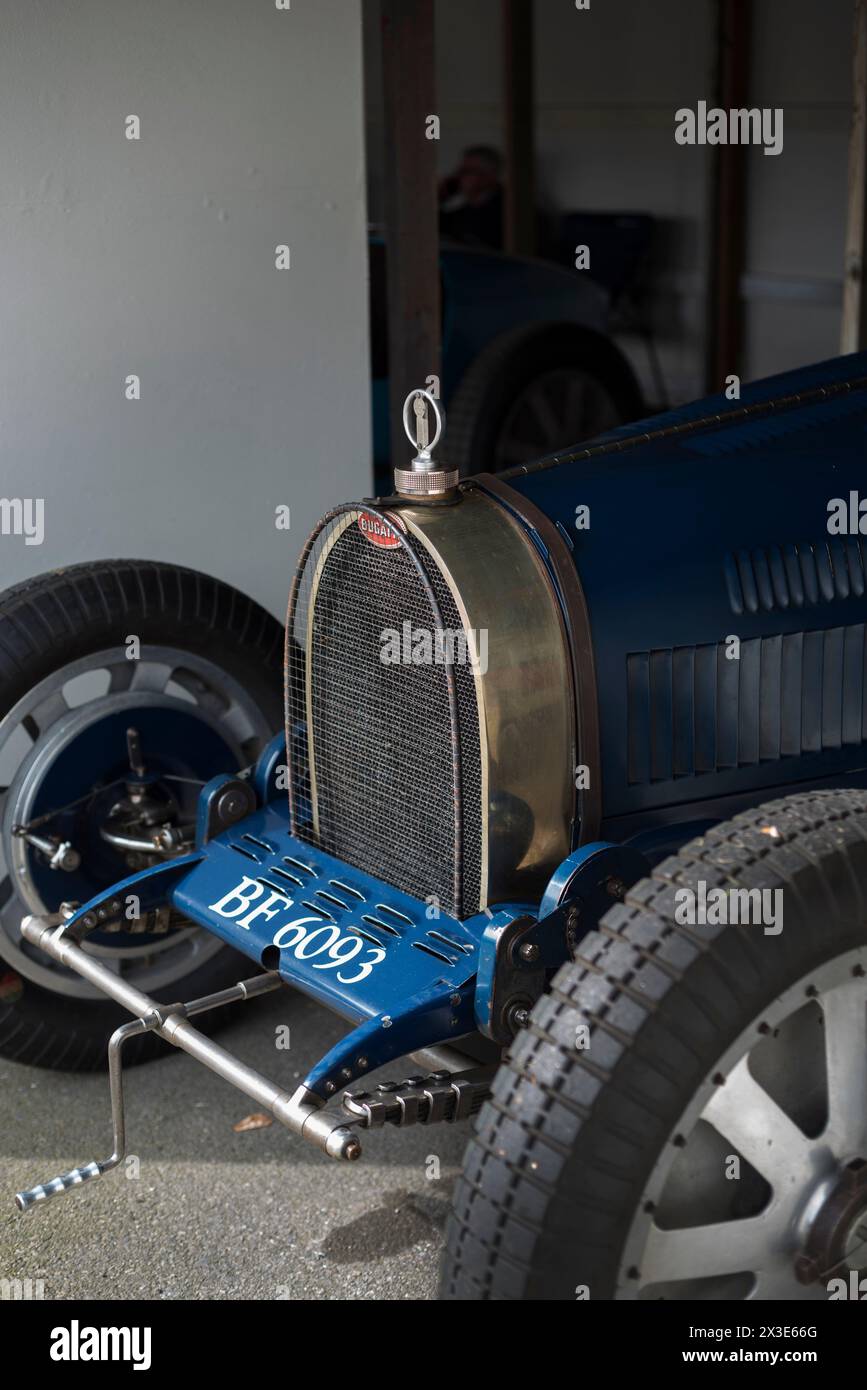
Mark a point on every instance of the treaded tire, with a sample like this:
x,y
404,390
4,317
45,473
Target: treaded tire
x,y
562,1151
67,614
507,366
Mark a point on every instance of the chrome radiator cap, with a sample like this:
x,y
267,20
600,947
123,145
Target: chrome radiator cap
x,y
423,478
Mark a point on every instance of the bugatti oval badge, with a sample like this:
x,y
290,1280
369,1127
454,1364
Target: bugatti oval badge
x,y
379,531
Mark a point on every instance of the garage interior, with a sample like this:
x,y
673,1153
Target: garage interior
x,y
581,103
211,329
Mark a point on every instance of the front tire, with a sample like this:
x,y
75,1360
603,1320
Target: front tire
x,y
204,691
707,1137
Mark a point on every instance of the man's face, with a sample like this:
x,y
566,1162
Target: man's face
x,y
477,178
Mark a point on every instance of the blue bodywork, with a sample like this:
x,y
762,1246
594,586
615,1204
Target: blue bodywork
x,y
703,531
407,979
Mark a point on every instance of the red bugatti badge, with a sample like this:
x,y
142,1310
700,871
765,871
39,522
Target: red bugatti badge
x,y
380,532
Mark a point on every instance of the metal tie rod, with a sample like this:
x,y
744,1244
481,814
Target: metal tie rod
x,y
299,1112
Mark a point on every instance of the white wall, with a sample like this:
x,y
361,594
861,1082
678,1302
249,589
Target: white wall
x,y
156,257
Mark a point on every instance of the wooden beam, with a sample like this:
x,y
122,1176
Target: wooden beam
x,y
728,200
519,222
411,208
853,330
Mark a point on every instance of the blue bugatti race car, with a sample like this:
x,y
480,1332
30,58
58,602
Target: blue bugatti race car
x,y
554,788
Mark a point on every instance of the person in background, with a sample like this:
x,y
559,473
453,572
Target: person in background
x,y
471,199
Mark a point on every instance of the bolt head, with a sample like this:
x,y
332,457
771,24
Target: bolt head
x,y
855,1174
529,952
231,804
517,1017
806,1269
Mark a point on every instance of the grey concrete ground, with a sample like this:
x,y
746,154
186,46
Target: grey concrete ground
x,y
215,1214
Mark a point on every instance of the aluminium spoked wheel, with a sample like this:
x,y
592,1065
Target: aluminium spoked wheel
x,y
124,687
555,410
686,1116
762,1191
534,391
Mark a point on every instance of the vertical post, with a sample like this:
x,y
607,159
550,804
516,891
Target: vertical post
x,y
411,208
728,200
519,226
853,330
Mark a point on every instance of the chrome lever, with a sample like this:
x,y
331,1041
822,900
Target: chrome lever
x,y
76,1177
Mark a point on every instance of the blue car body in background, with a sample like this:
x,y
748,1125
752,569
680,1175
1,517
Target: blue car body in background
x,y
510,326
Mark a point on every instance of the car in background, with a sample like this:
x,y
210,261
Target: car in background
x,y
528,366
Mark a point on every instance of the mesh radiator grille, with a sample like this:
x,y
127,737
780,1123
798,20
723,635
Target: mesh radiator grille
x,y
388,787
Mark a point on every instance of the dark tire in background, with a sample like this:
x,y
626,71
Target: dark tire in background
x,y
605,1170
209,676
535,391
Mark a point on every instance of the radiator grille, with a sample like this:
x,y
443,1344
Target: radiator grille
x,y
392,748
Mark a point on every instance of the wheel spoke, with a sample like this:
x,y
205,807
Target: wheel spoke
x,y
576,412
120,676
845,1011
150,675
239,724
778,1282
545,416
696,1252
745,1115
48,711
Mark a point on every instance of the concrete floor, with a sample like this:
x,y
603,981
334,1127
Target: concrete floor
x,y
214,1214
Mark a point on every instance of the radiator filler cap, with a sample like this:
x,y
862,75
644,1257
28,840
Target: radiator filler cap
x,y
424,477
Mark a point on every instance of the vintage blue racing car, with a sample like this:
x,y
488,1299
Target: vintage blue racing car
x,y
566,817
